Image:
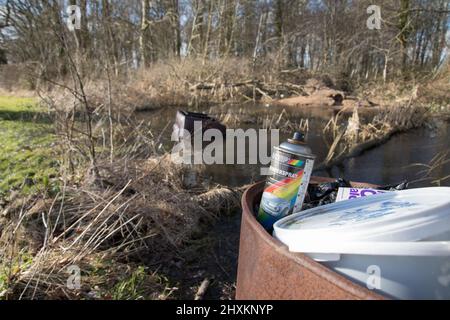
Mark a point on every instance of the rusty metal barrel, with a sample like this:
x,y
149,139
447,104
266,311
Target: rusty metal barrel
x,y
268,271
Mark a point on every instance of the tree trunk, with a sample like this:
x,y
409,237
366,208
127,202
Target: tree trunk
x,y
208,32
404,31
176,28
143,34
230,26
107,23
440,35
3,59
197,31
84,37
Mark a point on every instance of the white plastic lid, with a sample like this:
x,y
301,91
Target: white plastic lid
x,y
408,215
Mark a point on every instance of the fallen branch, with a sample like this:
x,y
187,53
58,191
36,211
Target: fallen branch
x,y
202,289
358,150
212,85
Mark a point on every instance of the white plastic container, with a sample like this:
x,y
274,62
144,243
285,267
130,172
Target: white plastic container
x,y
396,243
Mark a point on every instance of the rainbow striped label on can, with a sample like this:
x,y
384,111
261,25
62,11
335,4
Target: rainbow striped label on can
x,y
286,187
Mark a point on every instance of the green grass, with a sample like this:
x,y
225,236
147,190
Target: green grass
x,y
117,281
18,104
131,288
27,161
9,269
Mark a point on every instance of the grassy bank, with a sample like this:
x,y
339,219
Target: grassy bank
x,y
27,160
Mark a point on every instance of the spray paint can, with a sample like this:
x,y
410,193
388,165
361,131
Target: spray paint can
x,y
286,187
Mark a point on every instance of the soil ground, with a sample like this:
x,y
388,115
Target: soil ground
x,y
213,256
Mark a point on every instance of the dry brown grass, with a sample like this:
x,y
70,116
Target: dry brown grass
x,y
431,89
434,171
143,214
265,119
351,138
169,83
436,90
181,82
172,83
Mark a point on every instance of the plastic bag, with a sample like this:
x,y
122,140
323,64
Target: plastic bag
x,y
325,193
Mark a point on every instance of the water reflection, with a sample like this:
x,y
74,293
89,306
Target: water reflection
x,y
390,163
394,161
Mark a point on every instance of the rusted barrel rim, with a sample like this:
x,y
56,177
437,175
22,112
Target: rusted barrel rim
x,y
321,271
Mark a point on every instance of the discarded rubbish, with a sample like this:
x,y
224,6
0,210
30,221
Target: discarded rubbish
x,y
326,193
286,188
400,238
354,193
401,186
267,270
184,121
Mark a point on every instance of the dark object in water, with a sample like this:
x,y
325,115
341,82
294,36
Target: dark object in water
x,y
185,121
325,193
338,99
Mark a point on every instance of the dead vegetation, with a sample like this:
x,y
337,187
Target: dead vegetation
x,y
264,119
352,137
177,83
434,171
182,82
144,216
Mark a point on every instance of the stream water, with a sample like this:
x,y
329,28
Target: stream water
x,y
401,158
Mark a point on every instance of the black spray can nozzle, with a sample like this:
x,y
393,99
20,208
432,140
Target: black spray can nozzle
x,y
298,138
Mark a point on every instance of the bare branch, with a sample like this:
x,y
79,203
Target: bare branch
x,y
6,22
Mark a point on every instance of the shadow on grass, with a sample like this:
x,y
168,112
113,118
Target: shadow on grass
x,y
25,116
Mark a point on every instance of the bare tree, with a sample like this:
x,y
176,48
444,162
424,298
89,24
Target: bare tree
x,y
317,35
143,33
